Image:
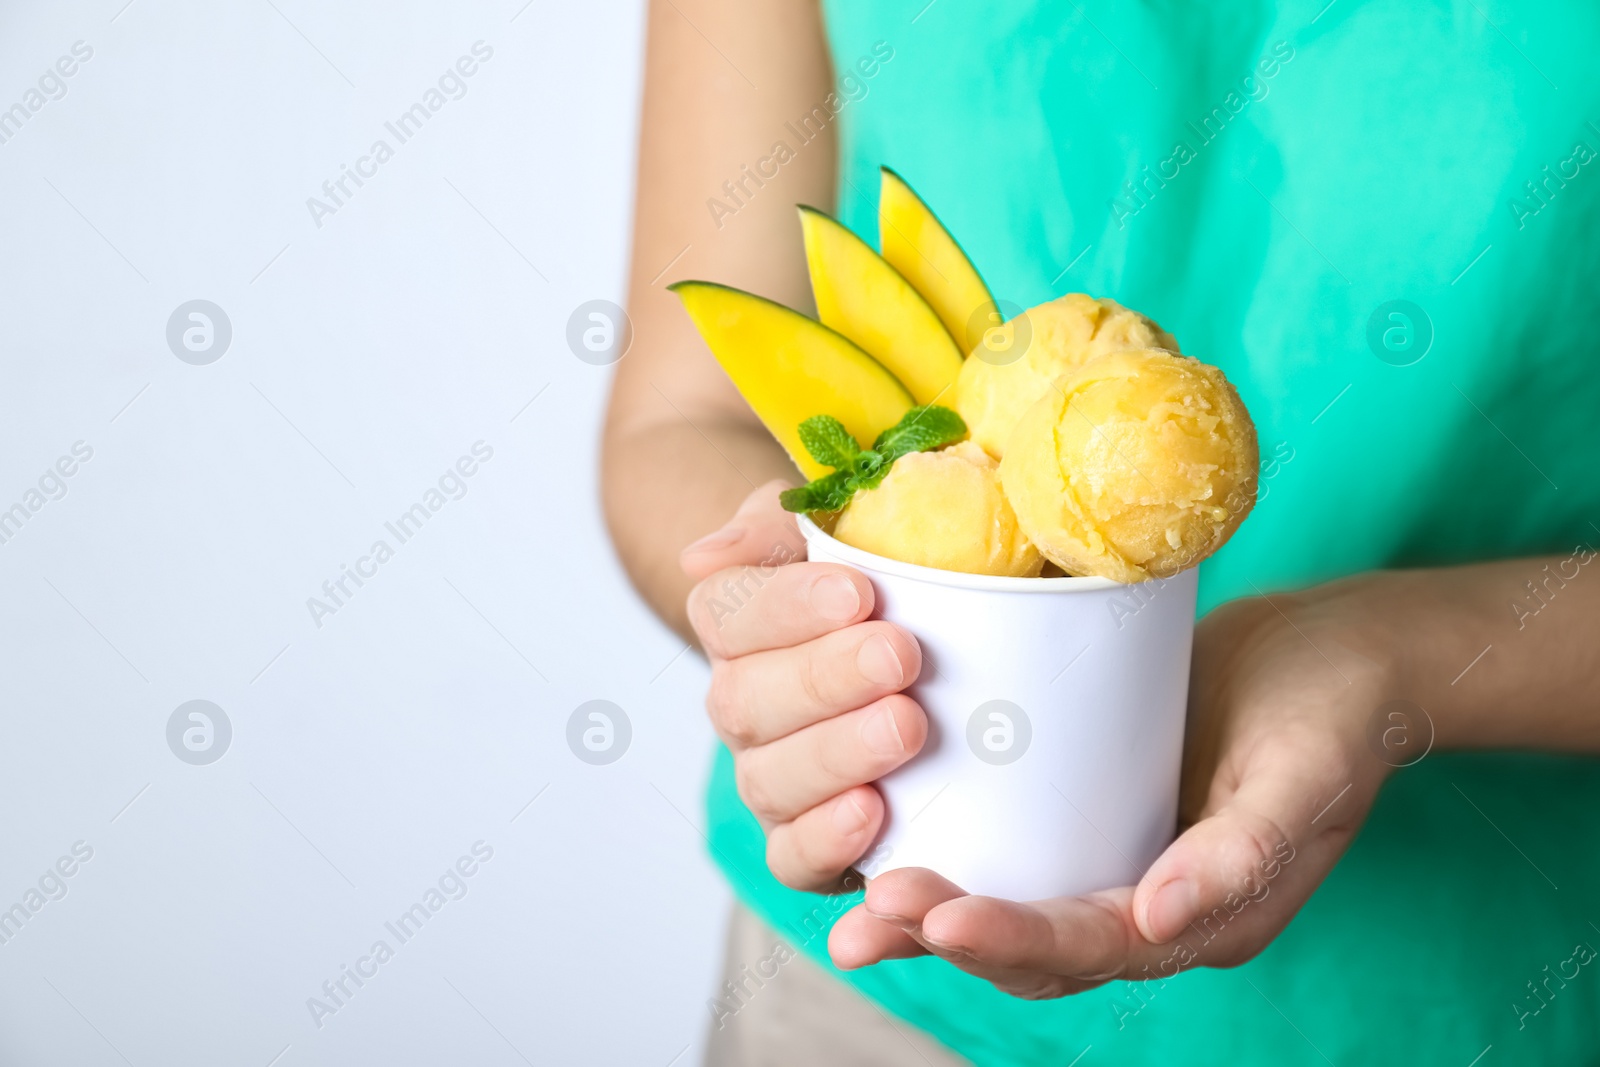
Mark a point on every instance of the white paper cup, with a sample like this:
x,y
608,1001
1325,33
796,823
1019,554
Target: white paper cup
x,y
1056,714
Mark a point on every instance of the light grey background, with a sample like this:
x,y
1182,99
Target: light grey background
x,y
423,716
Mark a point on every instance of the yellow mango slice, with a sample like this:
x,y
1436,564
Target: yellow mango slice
x,y
789,368
917,245
864,298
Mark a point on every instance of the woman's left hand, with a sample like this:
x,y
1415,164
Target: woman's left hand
x,y
1278,776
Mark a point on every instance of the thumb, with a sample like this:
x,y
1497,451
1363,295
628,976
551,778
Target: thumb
x,y
760,532
1224,860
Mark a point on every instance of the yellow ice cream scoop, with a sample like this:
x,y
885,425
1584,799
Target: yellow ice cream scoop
x,y
1014,364
941,509
1137,466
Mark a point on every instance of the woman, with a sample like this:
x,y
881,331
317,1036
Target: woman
x,y
1379,219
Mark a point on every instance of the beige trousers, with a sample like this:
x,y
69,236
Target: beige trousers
x,y
775,1008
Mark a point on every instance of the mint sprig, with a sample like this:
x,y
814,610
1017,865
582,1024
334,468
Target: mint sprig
x,y
921,429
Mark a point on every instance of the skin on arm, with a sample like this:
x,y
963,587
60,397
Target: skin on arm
x,y
681,449
804,689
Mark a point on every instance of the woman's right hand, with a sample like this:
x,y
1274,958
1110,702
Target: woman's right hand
x,y
805,691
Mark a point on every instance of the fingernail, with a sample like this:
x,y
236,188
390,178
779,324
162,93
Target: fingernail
x,y
881,734
1171,909
834,597
848,816
877,662
717,539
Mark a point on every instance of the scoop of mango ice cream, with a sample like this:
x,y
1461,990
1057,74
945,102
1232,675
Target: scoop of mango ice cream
x,y
1016,362
1138,466
941,509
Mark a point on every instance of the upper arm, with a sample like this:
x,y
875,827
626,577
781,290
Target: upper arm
x,y
723,78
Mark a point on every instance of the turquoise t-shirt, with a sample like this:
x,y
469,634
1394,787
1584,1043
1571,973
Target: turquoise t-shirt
x,y
1382,220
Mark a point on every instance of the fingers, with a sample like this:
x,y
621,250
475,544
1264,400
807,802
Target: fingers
x,y
941,918
740,610
903,896
780,780
1084,938
760,532
1219,862
1043,949
813,851
889,921
761,697
1204,901
1236,854
858,939
809,788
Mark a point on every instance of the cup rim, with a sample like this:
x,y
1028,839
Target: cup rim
x,y
874,563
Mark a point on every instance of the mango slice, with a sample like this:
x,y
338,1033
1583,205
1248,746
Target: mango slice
x,y
789,367
917,245
860,295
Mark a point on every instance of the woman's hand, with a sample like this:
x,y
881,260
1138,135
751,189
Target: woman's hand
x,y
804,691
1286,747
1278,775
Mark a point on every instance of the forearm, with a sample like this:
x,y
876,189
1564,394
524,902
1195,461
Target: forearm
x,y
682,450
669,483
1500,655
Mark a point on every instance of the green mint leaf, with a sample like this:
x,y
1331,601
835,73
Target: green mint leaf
x,y
870,469
828,493
921,429
868,464
829,443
